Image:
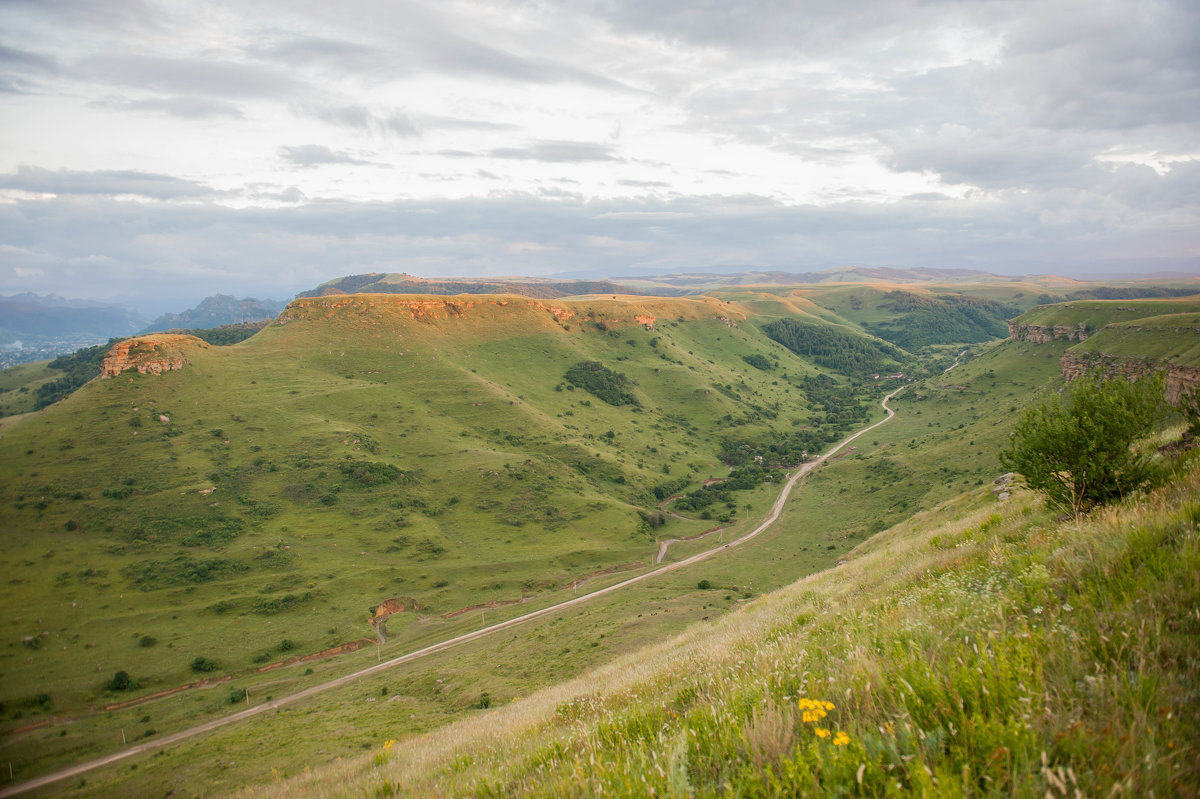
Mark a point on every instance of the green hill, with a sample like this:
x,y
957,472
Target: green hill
x,y
369,448
1092,315
1167,339
455,461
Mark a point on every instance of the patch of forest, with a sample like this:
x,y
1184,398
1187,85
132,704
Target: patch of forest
x,y
835,348
944,319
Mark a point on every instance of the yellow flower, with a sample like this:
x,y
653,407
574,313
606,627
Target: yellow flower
x,y
813,715
814,704
389,744
841,739
821,732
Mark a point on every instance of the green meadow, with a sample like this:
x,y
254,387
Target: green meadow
x,y
448,453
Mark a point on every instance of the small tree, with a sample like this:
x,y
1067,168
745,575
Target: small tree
x,y
1189,406
121,681
1078,450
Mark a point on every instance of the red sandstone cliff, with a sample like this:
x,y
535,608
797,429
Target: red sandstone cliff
x,y
153,354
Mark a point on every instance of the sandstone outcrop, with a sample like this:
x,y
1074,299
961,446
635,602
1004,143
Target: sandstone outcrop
x,y
1180,379
153,354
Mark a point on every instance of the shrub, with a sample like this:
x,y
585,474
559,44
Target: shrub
x,y
204,665
370,473
758,361
121,681
1078,449
147,641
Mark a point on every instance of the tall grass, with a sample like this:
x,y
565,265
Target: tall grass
x,y
1001,653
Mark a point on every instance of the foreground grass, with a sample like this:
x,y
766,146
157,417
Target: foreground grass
x,y
980,651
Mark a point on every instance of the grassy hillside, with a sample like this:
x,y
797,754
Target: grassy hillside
x,y
370,448
909,316
19,386
258,504
1167,339
1095,314
980,649
335,444
942,443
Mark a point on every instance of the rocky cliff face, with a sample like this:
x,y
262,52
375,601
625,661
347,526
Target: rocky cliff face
x,y
1180,379
1042,334
155,354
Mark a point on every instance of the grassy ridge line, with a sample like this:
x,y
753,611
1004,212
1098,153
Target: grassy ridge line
x,y
998,652
1170,339
1095,314
274,704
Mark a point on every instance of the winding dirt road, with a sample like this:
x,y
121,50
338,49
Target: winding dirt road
x,y
167,740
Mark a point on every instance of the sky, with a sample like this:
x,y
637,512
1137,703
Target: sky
x,y
159,152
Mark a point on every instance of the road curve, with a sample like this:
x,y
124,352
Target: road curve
x,y
167,740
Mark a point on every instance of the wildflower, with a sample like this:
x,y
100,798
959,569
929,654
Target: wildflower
x,y
821,732
1067,607
389,744
1038,610
841,739
814,709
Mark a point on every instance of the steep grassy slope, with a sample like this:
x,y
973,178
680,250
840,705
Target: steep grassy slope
x,y
259,503
1092,315
975,650
1167,339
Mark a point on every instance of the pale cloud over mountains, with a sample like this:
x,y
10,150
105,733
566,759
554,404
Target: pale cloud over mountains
x,y
179,149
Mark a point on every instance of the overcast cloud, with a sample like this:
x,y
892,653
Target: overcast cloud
x,y
164,151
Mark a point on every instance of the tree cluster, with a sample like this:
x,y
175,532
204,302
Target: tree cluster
x,y
834,348
602,382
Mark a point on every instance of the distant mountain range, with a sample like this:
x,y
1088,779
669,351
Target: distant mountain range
x,y
33,327
846,274
27,315
218,310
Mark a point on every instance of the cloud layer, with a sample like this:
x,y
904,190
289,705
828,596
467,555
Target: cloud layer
x,y
169,149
